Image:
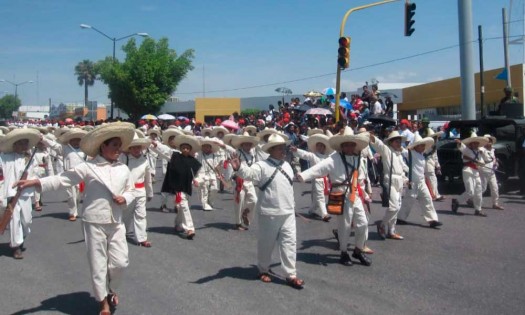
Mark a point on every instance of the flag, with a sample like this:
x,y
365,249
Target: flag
x,y
502,75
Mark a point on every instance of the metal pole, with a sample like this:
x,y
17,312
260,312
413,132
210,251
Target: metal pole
x,y
506,45
468,100
112,103
481,80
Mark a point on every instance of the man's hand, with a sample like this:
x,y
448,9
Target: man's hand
x,y
22,184
119,200
293,148
235,162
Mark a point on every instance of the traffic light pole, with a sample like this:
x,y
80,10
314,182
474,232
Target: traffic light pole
x,y
341,34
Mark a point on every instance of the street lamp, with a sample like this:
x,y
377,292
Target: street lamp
x,y
16,85
114,40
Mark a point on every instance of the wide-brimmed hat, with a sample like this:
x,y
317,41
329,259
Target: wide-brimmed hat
x,y
427,141
244,138
266,131
274,140
171,132
474,138
361,141
42,130
92,141
314,131
138,140
4,130
313,140
60,131
212,142
491,137
72,134
15,135
190,140
88,128
431,133
206,132
140,133
251,130
227,139
395,134
218,129
154,130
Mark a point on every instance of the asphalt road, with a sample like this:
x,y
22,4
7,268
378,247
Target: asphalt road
x,y
472,265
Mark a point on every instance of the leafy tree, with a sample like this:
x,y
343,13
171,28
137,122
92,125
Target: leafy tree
x,y
8,105
86,73
148,76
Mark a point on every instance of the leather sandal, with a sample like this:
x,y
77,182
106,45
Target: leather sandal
x,y
395,236
245,218
264,277
326,218
295,283
240,227
113,299
72,218
104,312
190,235
144,244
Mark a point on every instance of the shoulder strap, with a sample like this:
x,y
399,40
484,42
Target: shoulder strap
x,y
410,165
277,168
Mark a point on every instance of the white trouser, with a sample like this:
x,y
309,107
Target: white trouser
x,y
356,213
19,227
208,192
136,222
432,178
73,199
277,229
247,200
394,203
473,191
489,178
58,163
107,252
419,194
318,198
165,198
183,217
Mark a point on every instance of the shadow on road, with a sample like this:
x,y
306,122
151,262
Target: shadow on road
x,y
242,273
71,303
219,225
318,259
5,250
61,216
162,230
329,243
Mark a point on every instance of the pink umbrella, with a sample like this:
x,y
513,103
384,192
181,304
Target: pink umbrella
x,y
318,111
230,124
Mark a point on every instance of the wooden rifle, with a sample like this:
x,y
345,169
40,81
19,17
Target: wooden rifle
x,y
219,175
8,212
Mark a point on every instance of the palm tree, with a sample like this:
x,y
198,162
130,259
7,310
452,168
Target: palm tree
x,y
86,75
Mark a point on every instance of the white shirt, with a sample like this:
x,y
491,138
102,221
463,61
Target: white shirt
x,y
13,166
418,165
399,167
489,157
140,174
409,136
210,163
377,109
334,167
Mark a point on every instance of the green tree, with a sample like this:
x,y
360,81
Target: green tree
x,y
148,76
8,105
86,73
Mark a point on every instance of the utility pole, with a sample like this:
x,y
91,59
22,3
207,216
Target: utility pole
x,y
468,100
506,45
481,80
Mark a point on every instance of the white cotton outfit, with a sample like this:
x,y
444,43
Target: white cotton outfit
x,y
207,178
471,177
245,196
430,173
152,161
135,220
488,176
42,168
164,153
409,136
395,158
320,186
419,193
276,214
335,169
104,230
13,166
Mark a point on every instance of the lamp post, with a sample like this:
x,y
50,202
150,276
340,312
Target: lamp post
x,y
114,40
16,85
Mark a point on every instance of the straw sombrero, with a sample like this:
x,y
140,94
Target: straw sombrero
x,y
15,135
4,129
214,145
88,128
227,139
275,139
218,129
188,132
433,134
92,141
244,138
266,131
170,132
474,138
139,133
155,131
313,140
395,134
361,141
491,137
190,140
427,141
206,132
314,131
137,140
72,134
251,130
60,131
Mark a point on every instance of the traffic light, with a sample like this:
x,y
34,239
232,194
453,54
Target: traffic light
x,y
343,58
410,11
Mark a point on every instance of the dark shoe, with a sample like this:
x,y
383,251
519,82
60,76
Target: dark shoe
x,y
470,203
455,205
363,259
498,207
17,253
295,283
336,234
434,224
245,218
381,231
326,218
22,248
345,259
190,235
401,222
113,299
480,213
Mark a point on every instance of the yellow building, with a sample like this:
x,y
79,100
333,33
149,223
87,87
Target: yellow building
x,y
207,109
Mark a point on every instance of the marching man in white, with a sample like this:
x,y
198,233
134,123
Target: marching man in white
x,y
432,167
345,172
210,159
418,191
275,208
43,168
139,167
472,162
488,175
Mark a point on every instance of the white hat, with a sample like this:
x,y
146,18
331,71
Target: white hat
x,y
206,132
474,138
427,141
138,140
275,139
395,134
15,135
266,131
170,132
214,145
92,141
491,137
314,131
73,133
433,134
88,128
348,136
140,133
251,130
218,129
154,130
227,139
189,140
245,138
60,131
313,140
4,129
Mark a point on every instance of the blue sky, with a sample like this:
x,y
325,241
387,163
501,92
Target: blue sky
x,y
242,43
